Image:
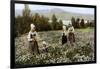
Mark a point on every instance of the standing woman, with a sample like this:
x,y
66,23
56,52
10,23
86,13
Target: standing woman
x,y
64,35
33,40
71,36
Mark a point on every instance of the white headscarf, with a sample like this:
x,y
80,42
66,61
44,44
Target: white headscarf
x,y
32,26
44,42
64,28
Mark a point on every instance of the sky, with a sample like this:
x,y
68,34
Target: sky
x,y
68,9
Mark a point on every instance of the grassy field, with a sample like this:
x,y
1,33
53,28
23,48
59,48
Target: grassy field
x,y
82,51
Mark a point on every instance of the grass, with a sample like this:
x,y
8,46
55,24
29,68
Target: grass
x,y
84,29
83,49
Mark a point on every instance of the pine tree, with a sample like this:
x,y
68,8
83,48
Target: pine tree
x,y
54,22
60,24
73,21
27,19
26,11
23,22
82,23
77,23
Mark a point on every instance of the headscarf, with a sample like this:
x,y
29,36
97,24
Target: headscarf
x,y
64,29
32,26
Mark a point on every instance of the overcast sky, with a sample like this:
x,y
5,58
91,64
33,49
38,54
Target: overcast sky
x,y
69,9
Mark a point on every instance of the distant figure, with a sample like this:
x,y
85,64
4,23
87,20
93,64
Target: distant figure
x,y
64,36
71,36
33,40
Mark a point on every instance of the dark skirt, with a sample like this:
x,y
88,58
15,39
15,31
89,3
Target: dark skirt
x,y
33,45
71,37
64,39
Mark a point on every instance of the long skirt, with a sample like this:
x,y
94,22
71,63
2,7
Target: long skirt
x,y
64,39
71,37
34,49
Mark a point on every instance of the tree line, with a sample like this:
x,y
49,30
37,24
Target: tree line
x,y
80,23
42,23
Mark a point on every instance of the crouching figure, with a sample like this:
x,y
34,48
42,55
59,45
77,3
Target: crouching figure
x,y
45,47
33,40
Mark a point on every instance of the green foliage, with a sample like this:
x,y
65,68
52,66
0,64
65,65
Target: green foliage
x,y
80,23
60,24
81,51
54,22
77,25
73,21
26,11
22,23
56,25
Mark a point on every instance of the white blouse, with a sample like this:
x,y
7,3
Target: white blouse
x,y
71,29
34,34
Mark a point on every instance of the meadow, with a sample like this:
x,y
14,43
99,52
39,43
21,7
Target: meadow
x,y
81,51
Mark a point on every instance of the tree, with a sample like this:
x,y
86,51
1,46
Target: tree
x,y
92,23
87,23
77,24
17,26
26,11
41,22
82,24
37,21
60,24
27,19
54,22
44,25
73,21
23,22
